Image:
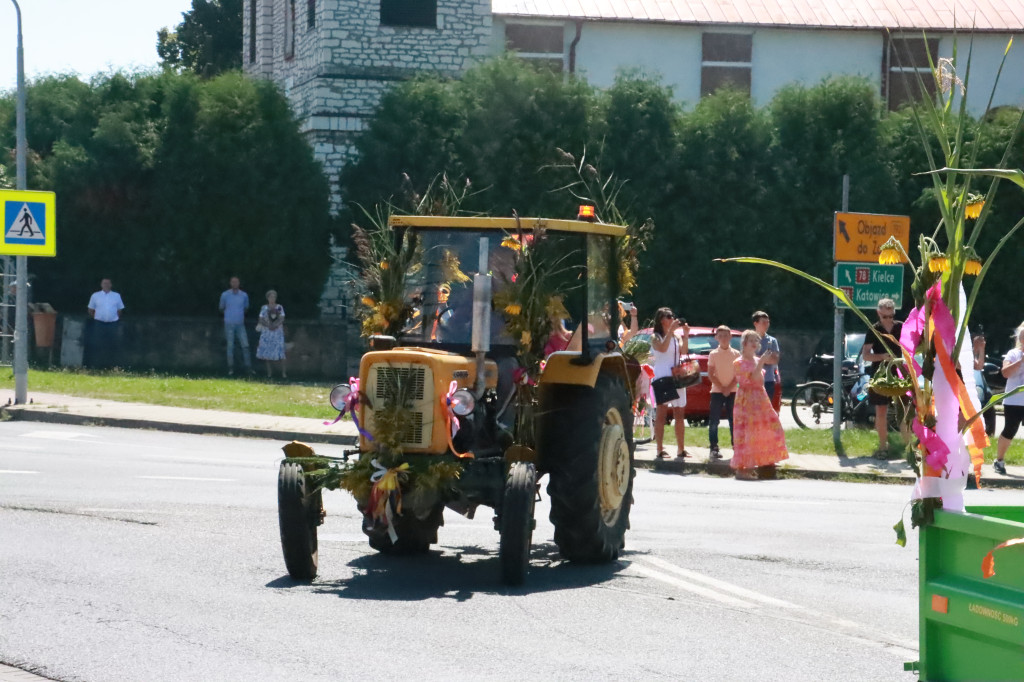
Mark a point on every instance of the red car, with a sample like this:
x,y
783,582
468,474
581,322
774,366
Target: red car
x,y
702,342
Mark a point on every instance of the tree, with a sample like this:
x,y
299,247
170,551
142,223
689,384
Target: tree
x,y
170,184
207,42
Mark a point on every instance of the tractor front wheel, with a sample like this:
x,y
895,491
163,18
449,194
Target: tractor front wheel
x,y
299,513
516,522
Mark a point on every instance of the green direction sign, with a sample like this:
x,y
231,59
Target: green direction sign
x,y
868,283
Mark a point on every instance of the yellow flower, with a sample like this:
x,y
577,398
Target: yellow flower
x,y
938,263
384,265
890,253
513,309
512,243
369,302
889,257
973,209
972,267
525,339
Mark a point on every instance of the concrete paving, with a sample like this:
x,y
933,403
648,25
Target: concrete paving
x,y
64,409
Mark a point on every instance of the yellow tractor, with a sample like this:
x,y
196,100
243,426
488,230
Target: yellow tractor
x,y
450,417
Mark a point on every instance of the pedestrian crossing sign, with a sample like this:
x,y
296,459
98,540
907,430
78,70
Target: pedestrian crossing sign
x,y
29,225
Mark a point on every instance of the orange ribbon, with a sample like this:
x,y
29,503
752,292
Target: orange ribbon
x,y
978,438
988,564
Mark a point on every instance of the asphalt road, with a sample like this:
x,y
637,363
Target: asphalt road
x,y
133,555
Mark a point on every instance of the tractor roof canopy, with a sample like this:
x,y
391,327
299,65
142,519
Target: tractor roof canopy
x,y
506,224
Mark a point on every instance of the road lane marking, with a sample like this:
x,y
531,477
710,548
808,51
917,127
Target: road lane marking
x,y
691,587
16,471
57,435
187,478
719,584
754,601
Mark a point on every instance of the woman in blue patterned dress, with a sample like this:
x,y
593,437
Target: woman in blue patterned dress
x,y
271,348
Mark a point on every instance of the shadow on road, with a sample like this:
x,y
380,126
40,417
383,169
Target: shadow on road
x,y
455,573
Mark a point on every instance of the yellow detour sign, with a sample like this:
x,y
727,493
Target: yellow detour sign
x,y
29,225
859,236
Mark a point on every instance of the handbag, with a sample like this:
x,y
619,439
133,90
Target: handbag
x,y
259,327
686,373
664,390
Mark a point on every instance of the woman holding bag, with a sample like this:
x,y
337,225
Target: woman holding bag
x,y
666,352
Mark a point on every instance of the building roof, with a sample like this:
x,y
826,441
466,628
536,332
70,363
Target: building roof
x,y
944,15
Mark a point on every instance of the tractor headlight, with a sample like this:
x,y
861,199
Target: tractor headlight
x,y
463,402
338,395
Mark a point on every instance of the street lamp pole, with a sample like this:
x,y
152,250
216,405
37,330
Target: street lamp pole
x,y
21,300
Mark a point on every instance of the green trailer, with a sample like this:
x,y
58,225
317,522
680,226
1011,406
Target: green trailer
x,y
972,627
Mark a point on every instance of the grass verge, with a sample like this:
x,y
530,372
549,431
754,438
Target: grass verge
x,y
230,394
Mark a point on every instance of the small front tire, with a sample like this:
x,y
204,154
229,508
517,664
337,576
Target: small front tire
x,y
516,522
299,513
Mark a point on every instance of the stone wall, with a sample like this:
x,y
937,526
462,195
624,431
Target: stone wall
x,y
317,351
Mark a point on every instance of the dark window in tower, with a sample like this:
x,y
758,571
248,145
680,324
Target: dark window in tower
x,y
421,13
289,30
310,14
252,31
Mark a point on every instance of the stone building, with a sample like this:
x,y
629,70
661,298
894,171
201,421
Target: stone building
x,y
334,58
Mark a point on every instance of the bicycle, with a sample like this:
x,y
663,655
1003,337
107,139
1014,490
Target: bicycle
x,y
813,404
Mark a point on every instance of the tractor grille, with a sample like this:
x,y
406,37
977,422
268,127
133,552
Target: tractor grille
x,y
410,384
408,380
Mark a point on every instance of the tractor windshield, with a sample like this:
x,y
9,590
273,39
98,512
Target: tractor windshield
x,y
578,267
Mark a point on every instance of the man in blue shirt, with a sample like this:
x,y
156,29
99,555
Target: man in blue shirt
x,y
768,343
233,303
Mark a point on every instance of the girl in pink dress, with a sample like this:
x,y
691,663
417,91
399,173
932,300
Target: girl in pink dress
x,y
757,439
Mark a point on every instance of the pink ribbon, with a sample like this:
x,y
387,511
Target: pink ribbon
x,y
521,376
938,451
453,419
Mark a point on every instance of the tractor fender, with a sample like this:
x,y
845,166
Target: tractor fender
x,y
559,369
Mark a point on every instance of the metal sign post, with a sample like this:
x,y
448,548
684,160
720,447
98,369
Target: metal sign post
x,y
21,298
837,345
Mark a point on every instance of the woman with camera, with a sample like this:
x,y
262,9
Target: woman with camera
x,y
666,351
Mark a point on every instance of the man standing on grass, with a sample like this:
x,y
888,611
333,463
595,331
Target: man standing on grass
x,y
233,303
105,308
768,343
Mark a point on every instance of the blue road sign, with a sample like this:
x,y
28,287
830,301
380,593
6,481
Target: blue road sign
x,y
26,222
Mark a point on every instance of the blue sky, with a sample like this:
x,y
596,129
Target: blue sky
x,y
83,36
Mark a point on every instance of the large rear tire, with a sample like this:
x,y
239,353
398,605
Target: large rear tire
x,y
516,522
298,513
586,443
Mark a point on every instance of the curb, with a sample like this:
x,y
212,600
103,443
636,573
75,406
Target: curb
x,y
718,468
723,470
30,415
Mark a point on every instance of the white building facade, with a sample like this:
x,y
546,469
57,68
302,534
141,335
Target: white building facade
x,y
335,58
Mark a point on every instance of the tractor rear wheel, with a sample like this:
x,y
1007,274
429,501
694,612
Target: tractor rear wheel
x,y
516,522
299,513
586,442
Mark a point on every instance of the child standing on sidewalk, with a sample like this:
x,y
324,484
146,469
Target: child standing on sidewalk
x,y
723,385
758,439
